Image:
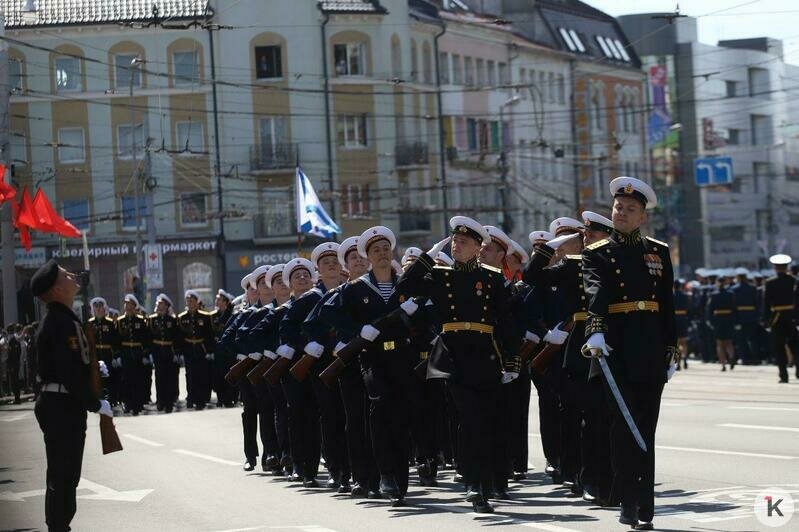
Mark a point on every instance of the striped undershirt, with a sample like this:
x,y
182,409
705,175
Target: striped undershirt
x,y
385,290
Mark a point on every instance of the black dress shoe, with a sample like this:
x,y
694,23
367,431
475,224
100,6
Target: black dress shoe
x,y
783,381
398,503
645,526
519,475
344,487
588,493
372,494
628,516
271,462
249,465
458,477
295,477
473,496
310,482
549,469
332,483
168,409
482,507
358,490
388,487
501,494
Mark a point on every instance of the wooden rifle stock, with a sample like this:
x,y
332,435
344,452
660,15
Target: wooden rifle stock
x,y
257,373
527,349
277,370
239,370
546,355
300,370
331,373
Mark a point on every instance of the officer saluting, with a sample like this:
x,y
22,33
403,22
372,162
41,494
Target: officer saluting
x,y
628,279
67,391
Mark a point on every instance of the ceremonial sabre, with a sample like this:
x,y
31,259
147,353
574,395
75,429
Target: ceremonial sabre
x,y
625,412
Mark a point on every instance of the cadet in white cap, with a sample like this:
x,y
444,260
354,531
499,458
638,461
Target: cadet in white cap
x,y
197,349
106,345
221,361
778,311
135,343
565,225
444,259
540,237
515,259
628,279
597,227
494,252
410,255
164,331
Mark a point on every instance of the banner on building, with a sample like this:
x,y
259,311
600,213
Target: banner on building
x,y
153,266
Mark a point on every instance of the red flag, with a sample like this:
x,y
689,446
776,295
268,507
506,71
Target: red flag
x,y
25,213
7,192
25,237
47,216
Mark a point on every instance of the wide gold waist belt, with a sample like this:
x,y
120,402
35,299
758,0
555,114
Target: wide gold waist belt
x,y
680,312
746,307
131,344
162,342
195,340
580,316
780,308
102,346
633,306
467,326
722,312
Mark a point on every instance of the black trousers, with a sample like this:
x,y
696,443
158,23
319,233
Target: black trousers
x,y
332,422
518,416
166,377
745,345
13,380
478,432
303,423
134,380
634,470
265,406
387,379
356,428
198,378
548,419
425,404
280,420
780,338
595,439
225,393
249,420
570,423
63,423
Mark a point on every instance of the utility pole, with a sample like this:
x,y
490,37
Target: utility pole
x,y
507,223
150,212
136,175
9,273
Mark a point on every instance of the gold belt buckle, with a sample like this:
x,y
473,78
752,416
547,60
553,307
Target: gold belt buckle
x,y
423,355
641,305
467,325
388,346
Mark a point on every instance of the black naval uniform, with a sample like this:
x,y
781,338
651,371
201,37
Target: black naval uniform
x,y
746,296
473,306
629,281
778,312
720,313
106,345
519,393
164,332
67,393
221,363
135,348
387,369
196,342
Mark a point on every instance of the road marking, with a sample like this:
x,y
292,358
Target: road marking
x,y
206,457
99,493
498,518
766,408
242,529
545,526
19,496
758,427
730,453
717,489
15,417
143,440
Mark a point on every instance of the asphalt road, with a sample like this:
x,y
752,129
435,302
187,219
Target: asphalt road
x,y
723,438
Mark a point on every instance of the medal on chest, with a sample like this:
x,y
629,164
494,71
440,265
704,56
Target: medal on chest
x,y
654,264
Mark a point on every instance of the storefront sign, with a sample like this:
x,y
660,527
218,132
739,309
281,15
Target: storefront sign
x,y
120,250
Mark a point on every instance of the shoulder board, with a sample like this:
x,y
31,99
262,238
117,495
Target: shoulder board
x,y
183,313
599,244
92,319
657,241
205,313
153,315
490,268
355,280
574,257
122,317
442,267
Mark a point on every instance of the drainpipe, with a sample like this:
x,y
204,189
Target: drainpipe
x,y
220,247
442,156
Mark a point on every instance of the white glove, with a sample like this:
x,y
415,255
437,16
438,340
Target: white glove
x,y
105,408
339,347
315,349
285,351
597,342
509,376
117,362
271,355
240,357
409,307
369,333
555,243
532,337
145,361
738,327
255,356
209,356
556,336
433,253
176,359
103,369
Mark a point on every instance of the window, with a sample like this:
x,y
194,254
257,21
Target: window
x,y
187,68
355,200
471,134
15,74
71,148
480,68
622,50
443,68
760,173
67,74
633,110
268,62
759,84
468,71
414,62
733,136
503,73
457,70
351,131
523,82
596,102
76,212
567,39
199,277
271,132
129,212
123,70
190,137
561,89
427,69
613,50
576,40
277,208
762,132
125,140
19,148
728,232
542,84
350,59
731,88
192,209
491,74
605,48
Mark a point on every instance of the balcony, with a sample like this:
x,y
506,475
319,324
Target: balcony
x,y
411,154
270,157
417,221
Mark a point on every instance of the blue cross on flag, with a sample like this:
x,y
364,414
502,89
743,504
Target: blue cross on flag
x,y
312,219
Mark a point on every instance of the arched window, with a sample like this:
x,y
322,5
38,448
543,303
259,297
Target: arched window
x,y
596,103
199,276
396,57
427,68
414,62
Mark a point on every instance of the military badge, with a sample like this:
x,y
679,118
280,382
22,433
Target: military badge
x,y
654,264
365,300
